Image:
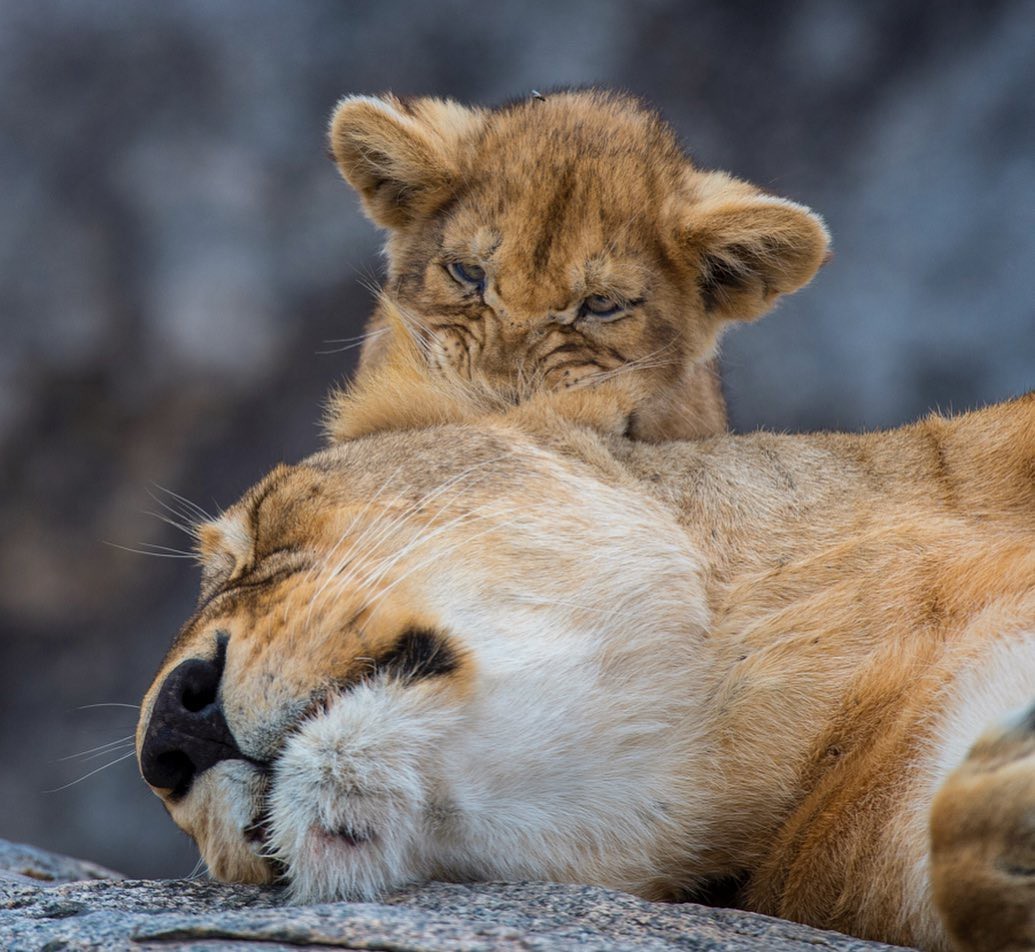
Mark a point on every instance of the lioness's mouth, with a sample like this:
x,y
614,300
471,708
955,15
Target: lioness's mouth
x,y
258,836
350,836
257,833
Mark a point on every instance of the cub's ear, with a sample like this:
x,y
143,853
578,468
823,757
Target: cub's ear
x,y
402,158
750,247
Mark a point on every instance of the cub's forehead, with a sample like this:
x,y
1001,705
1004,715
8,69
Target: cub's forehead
x,y
598,169
581,124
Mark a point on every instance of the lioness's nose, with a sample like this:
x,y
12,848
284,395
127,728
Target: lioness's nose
x,y
187,732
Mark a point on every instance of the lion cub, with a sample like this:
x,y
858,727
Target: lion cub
x,y
562,241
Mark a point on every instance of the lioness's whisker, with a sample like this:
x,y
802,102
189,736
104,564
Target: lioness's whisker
x,y
374,573
112,763
366,576
86,707
187,528
195,511
378,599
175,503
154,547
115,748
322,563
361,514
379,529
171,554
100,749
420,539
355,519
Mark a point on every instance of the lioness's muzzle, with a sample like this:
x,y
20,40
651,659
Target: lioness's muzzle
x,y
187,732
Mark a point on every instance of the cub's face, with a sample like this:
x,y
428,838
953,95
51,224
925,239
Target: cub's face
x,y
560,242
400,670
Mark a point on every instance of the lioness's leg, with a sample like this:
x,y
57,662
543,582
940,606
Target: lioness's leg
x,y
983,841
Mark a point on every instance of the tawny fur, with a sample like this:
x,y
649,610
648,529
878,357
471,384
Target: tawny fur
x,y
581,196
757,656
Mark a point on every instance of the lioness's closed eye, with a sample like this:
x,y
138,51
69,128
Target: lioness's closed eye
x,y
562,241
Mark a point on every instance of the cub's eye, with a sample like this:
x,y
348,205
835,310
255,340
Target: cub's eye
x,y
600,306
466,273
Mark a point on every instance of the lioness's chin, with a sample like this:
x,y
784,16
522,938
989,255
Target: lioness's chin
x,y
221,813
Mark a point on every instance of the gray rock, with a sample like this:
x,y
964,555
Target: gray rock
x,y
40,909
32,866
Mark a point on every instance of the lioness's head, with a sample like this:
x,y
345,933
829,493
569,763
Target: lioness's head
x,y
563,240
436,654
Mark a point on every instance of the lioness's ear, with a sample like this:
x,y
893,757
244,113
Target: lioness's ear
x,y
225,547
402,158
750,247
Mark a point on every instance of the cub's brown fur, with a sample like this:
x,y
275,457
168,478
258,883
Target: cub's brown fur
x,y
555,243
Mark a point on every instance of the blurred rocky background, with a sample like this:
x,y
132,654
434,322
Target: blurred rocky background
x,y
178,261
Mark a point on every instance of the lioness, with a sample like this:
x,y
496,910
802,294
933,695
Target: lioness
x,y
562,240
522,647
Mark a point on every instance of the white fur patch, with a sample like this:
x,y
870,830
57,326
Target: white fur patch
x,y
987,697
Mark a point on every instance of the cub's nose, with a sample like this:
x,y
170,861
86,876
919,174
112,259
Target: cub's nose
x,y
187,732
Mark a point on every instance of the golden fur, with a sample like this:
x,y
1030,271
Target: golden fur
x,y
560,204
802,636
491,641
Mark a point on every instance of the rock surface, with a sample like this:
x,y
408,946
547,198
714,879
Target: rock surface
x,y
53,902
35,867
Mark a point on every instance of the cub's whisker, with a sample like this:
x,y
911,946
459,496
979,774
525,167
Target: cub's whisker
x,y
350,343
359,337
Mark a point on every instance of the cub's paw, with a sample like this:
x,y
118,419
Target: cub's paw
x,y
983,842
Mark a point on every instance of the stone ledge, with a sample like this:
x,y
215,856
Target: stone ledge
x,y
79,908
